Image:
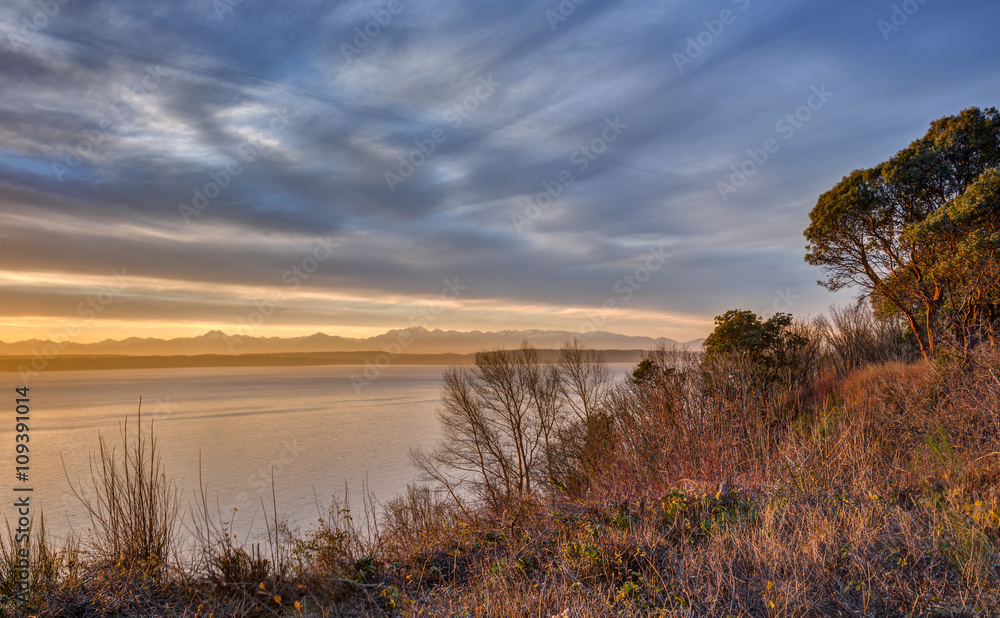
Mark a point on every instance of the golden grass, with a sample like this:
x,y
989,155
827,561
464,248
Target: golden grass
x,y
871,494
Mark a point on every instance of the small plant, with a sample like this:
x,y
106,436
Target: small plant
x,y
364,570
628,591
576,550
526,564
769,596
391,596
621,521
234,565
133,507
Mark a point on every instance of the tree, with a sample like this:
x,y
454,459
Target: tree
x,y
965,237
584,380
644,371
918,233
772,348
505,421
585,385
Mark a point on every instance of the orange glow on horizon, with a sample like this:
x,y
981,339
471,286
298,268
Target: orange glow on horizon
x,y
147,307
79,331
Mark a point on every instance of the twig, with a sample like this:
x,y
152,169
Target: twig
x,y
985,456
995,379
351,582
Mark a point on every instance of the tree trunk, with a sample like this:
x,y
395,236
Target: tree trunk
x,y
921,335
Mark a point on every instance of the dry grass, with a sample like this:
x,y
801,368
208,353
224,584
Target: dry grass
x,y
870,492
878,498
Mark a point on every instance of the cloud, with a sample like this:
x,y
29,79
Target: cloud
x,y
116,115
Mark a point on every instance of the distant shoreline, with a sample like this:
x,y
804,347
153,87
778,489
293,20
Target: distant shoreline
x,y
87,362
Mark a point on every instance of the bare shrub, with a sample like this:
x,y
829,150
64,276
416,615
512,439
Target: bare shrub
x,y
510,422
414,519
133,507
855,337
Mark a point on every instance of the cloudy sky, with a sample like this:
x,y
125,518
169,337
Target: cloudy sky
x,y
359,165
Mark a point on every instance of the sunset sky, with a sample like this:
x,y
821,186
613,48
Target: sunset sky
x,y
352,167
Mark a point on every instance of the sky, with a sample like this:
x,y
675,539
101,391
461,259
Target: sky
x,y
350,167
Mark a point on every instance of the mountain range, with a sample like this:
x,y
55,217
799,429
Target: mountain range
x,y
416,340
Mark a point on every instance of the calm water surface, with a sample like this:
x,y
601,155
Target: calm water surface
x,y
307,424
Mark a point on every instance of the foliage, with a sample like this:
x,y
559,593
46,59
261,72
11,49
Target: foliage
x,y
879,498
772,347
919,234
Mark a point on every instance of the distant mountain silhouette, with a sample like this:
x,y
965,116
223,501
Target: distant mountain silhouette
x,y
408,341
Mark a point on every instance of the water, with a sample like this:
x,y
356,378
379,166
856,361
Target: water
x,y
306,424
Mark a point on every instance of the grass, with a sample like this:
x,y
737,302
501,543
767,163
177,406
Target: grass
x,y
870,491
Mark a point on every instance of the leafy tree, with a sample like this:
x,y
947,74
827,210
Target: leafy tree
x,y
965,237
773,346
743,331
643,371
919,233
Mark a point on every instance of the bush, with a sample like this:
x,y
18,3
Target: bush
x,y
762,353
854,337
512,423
134,507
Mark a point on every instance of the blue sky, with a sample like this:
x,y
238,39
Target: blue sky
x,y
567,165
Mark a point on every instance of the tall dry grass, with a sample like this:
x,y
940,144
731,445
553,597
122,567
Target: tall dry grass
x,y
133,506
882,499
871,491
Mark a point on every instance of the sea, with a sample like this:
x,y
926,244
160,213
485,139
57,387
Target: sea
x,y
245,444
